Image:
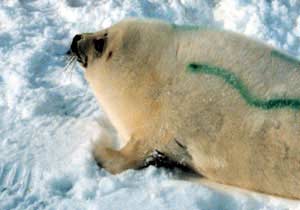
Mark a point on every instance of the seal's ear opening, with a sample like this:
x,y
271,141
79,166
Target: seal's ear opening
x,y
99,45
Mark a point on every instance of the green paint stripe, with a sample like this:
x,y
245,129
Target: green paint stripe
x,y
231,79
287,58
188,27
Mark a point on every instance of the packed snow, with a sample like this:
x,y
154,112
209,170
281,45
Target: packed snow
x,y
49,116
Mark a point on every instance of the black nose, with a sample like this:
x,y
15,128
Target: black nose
x,y
74,45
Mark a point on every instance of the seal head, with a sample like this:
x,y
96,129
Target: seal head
x,y
80,47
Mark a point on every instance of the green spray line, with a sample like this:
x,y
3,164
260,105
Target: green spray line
x,y
236,83
287,58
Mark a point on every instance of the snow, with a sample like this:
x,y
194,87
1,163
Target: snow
x,y
49,117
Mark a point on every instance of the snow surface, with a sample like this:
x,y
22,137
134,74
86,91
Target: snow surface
x,y
49,117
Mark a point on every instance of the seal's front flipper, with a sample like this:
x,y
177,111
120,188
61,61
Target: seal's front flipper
x,y
131,156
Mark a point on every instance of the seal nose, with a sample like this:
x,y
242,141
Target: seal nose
x,y
74,45
78,49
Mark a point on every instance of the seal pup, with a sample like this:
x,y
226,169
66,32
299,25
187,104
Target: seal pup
x,y
221,104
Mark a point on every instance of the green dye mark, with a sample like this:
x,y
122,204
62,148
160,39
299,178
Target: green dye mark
x,y
188,27
231,79
289,59
87,33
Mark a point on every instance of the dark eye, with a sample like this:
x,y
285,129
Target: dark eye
x,y
99,45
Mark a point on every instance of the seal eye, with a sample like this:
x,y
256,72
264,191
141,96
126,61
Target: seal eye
x,y
99,45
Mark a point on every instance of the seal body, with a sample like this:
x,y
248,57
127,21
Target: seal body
x,y
222,104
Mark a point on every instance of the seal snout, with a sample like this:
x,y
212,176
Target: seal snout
x,y
78,50
83,44
74,45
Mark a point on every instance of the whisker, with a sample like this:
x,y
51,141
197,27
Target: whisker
x,y
70,63
73,64
70,66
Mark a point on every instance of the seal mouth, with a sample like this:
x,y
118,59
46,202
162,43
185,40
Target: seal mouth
x,y
77,51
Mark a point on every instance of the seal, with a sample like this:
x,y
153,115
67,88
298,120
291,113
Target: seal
x,y
224,105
